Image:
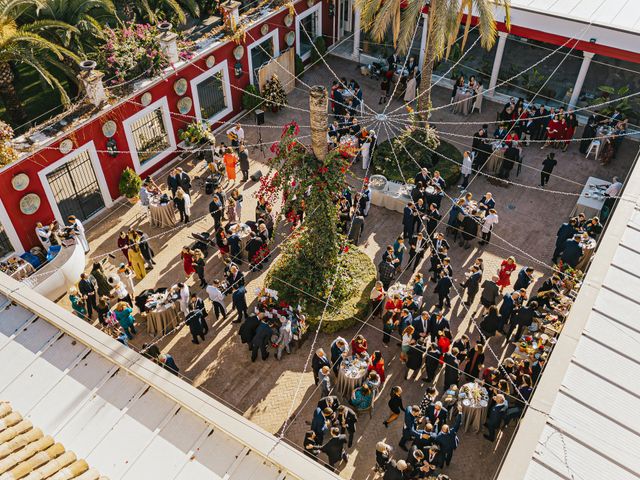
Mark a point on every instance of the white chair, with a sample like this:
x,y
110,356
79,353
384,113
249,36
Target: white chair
x,y
477,104
595,145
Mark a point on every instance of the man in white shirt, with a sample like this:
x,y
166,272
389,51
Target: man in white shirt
x,y
44,235
217,299
614,189
487,226
78,232
467,168
236,135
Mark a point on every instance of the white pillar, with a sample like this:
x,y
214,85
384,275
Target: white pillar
x,y
356,32
582,74
502,40
423,41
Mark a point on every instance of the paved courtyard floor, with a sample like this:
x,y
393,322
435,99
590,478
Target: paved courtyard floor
x,y
268,393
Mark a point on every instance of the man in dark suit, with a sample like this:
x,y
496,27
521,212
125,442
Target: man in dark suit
x,y
495,416
566,231
216,211
479,147
417,249
234,277
243,160
386,272
172,182
184,181
409,431
433,217
347,419
334,448
393,61
319,360
525,277
572,251
443,287
235,247
330,401
88,291
447,439
507,309
490,294
261,340
472,284
239,300
523,319
338,104
409,214
421,325
422,177
437,414
537,367
437,322
248,329
322,419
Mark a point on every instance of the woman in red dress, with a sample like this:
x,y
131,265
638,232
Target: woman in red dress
x,y
187,261
123,245
504,273
222,242
393,303
554,132
444,343
359,345
572,123
376,364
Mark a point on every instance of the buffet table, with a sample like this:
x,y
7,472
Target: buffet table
x,y
591,198
388,194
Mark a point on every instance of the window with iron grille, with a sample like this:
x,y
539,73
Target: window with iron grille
x,y
5,244
150,135
211,96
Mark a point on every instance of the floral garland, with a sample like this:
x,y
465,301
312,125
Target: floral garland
x,y
7,152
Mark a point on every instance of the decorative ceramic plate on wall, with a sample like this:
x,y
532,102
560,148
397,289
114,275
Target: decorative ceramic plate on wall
x,y
145,99
66,146
210,61
184,105
109,128
20,181
288,20
238,52
30,203
290,38
264,29
180,86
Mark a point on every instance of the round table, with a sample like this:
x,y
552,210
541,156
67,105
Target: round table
x,y
162,214
351,375
163,318
463,101
474,414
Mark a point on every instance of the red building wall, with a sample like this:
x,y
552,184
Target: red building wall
x,y
92,130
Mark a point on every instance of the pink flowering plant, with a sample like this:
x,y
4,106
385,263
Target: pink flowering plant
x,y
133,51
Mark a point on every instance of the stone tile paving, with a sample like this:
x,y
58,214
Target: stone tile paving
x,y
264,391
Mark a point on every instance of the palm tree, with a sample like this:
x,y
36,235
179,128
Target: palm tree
x,y
87,16
153,11
445,16
25,44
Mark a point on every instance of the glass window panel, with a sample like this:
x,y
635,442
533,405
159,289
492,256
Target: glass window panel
x,y
5,245
521,53
150,135
211,96
308,33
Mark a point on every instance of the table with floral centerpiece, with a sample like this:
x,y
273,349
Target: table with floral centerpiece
x,y
474,401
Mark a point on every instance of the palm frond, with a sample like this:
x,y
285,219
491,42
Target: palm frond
x,y
39,25
51,80
384,20
408,24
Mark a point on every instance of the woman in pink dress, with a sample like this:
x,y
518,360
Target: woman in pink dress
x,y
187,261
504,273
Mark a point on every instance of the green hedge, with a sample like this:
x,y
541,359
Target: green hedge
x,y
349,301
384,161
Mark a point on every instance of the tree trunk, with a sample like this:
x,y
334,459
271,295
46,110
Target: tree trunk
x,y
9,96
318,105
424,101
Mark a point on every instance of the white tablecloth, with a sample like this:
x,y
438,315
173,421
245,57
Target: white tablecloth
x,y
591,200
394,197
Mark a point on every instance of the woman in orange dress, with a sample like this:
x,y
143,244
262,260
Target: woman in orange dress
x,y
504,273
230,161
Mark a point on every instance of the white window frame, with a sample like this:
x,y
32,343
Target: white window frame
x,y
166,119
276,49
226,85
14,239
90,148
316,9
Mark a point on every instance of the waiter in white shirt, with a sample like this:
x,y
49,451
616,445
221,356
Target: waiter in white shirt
x,y
78,231
217,299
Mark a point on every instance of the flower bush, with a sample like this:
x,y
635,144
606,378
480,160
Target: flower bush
x,y
7,152
133,51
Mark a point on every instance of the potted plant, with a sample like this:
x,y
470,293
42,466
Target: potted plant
x,y
195,133
130,183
